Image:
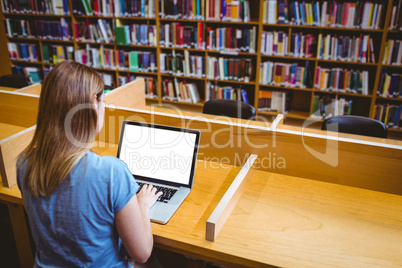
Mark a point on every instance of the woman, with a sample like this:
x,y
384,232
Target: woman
x,y
82,208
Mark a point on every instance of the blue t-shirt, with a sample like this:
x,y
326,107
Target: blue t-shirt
x,y
75,226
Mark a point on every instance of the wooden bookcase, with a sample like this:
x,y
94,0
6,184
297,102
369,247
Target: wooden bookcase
x,y
300,99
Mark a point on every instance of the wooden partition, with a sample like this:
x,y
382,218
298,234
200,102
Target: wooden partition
x,y
131,95
344,159
32,89
18,114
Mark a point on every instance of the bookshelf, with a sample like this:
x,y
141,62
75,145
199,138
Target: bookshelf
x,y
192,53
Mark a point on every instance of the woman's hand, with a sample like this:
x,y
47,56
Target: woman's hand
x,y
148,196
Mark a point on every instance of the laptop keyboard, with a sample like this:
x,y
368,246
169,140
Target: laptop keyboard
x,y
167,192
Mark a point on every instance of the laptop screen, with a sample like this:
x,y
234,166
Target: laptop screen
x,y
159,153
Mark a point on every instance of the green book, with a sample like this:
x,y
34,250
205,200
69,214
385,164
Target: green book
x,y
340,15
45,53
122,35
87,7
133,61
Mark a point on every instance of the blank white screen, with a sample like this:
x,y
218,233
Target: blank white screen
x,y
158,153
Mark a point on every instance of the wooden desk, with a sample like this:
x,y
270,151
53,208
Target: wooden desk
x,y
285,221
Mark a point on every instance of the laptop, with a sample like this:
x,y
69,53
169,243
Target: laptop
x,y
163,156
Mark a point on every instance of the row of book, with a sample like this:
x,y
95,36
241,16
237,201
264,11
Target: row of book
x,y
276,101
179,90
54,30
178,36
393,52
54,54
100,32
225,92
35,74
24,52
326,106
236,69
149,83
49,7
221,10
182,64
274,43
284,74
342,80
136,34
365,15
346,48
104,58
390,85
117,8
389,114
232,39
395,21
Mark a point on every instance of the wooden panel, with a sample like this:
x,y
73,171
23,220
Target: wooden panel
x,y
10,148
228,202
130,95
283,221
32,89
370,164
18,108
21,235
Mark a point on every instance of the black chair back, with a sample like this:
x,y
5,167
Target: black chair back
x,y
231,108
359,125
14,81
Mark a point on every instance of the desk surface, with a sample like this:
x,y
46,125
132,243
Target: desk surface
x,y
286,221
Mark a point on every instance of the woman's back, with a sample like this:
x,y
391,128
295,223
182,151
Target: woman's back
x,y
75,226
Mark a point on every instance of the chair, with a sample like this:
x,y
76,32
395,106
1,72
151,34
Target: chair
x,y
357,125
14,81
231,108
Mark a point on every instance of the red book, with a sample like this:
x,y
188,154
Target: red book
x,y
96,7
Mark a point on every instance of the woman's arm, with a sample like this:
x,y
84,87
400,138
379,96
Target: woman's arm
x,y
134,226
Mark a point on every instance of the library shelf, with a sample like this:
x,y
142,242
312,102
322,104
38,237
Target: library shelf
x,y
300,97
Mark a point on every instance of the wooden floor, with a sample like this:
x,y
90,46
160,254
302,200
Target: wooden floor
x,y
8,251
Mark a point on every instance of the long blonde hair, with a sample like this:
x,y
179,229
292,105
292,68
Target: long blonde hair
x,y
51,155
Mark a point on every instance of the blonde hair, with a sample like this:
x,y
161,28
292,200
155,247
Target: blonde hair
x,y
51,155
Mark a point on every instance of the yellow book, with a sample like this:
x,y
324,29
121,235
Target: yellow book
x,y
319,56
386,85
386,116
322,85
235,12
60,53
371,14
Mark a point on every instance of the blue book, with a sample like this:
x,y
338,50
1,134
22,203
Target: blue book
x,y
220,47
143,8
295,7
223,8
315,14
122,7
199,9
244,96
24,51
397,116
145,61
65,7
34,53
302,15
